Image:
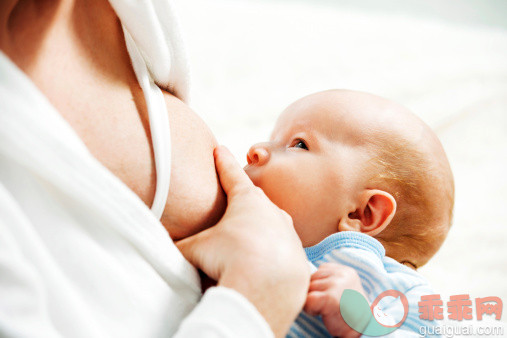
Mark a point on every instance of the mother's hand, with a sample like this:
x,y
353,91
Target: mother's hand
x,y
252,249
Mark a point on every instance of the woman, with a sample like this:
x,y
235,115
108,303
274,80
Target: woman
x,y
81,255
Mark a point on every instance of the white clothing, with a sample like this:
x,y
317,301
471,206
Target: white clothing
x,y
80,254
378,273
157,54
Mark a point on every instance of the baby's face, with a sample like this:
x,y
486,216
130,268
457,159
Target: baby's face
x,y
321,166
314,165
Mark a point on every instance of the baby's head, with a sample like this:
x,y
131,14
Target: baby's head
x,y
342,160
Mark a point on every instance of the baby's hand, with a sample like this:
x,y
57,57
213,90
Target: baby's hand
x,y
326,287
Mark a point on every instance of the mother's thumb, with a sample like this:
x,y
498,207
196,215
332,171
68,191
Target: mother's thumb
x,y
232,177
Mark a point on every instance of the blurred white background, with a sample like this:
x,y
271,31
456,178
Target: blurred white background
x,y
447,61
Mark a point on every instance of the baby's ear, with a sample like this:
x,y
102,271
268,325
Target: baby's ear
x,y
375,211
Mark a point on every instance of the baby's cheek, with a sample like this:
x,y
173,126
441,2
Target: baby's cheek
x,y
296,195
283,191
285,188
276,187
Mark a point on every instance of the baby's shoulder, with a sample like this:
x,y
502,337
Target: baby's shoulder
x,y
367,256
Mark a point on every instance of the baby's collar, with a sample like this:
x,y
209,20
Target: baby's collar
x,y
350,239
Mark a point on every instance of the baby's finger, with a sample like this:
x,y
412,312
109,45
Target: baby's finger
x,y
232,177
320,284
323,271
333,269
315,303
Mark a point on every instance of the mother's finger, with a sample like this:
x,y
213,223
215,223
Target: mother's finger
x,y
232,177
196,249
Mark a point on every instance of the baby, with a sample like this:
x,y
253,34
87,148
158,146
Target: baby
x,y
368,185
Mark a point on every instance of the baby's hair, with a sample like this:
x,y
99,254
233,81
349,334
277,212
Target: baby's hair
x,y
418,183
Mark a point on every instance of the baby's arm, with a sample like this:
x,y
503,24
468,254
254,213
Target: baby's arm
x,y
326,287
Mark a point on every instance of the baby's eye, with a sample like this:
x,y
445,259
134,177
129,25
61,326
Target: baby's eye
x,y
298,143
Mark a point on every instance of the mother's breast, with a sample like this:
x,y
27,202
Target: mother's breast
x,y
196,200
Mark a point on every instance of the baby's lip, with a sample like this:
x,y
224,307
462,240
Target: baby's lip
x,y
249,170
249,167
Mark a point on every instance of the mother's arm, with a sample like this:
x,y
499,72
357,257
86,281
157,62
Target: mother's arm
x,y
75,54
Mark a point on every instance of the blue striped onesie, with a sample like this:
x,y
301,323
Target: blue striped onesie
x,y
377,272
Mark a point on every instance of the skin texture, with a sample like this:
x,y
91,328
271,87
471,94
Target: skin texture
x,y
85,39
326,288
317,167
250,226
326,188
74,52
315,186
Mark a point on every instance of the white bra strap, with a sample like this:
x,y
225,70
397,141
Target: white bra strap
x,y
159,125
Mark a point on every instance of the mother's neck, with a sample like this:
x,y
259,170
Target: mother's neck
x,y
31,28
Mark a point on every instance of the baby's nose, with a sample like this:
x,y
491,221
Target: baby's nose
x,y
258,154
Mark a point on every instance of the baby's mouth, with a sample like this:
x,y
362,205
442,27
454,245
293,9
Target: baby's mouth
x,y
249,170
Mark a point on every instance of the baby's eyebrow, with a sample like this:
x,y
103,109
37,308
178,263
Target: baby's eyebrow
x,y
281,134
